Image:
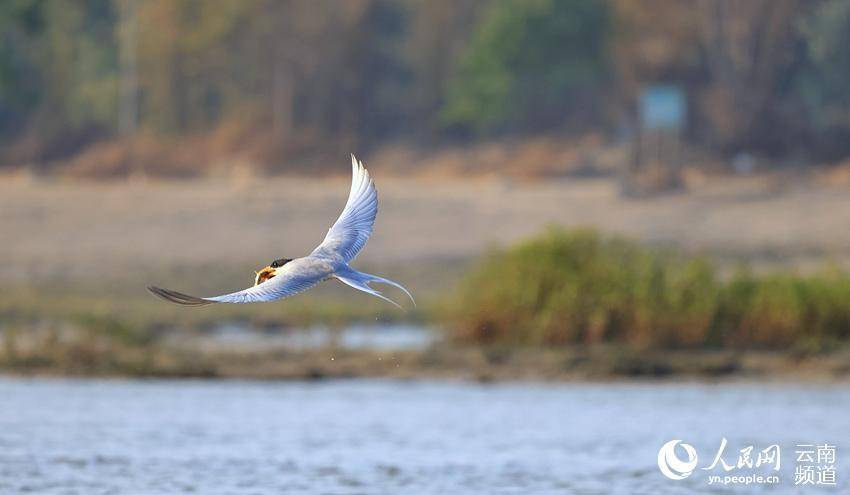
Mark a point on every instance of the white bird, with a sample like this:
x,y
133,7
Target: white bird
x,y
286,277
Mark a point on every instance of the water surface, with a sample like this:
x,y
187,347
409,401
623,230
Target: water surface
x,y
241,336
372,436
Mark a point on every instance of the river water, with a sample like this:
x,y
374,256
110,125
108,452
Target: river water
x,y
235,336
87,437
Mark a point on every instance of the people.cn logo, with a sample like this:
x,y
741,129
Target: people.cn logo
x,y
670,464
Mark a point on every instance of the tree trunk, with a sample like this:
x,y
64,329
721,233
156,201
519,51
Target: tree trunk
x,y
128,107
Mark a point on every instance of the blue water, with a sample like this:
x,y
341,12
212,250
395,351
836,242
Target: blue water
x,y
237,336
371,436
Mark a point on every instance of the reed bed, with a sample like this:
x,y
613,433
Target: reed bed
x,y
577,287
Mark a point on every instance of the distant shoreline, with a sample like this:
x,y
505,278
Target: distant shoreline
x,y
82,265
471,364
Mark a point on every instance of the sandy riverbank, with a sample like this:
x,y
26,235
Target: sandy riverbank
x,y
84,232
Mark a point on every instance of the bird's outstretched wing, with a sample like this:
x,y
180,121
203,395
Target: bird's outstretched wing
x,y
354,226
270,290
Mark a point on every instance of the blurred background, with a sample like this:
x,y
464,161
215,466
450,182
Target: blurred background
x,y
186,144
575,190
111,89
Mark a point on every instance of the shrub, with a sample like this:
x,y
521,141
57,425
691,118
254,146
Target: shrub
x,y
579,287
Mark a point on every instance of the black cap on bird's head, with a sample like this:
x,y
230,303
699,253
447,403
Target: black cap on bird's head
x,y
270,271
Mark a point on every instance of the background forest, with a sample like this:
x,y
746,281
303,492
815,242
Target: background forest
x,y
173,87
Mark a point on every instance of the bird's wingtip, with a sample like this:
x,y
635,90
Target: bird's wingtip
x,y
356,164
178,297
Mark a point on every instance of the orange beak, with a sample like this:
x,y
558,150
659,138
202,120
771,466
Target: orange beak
x,y
264,274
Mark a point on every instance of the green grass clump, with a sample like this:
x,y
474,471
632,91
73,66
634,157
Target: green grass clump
x,y
579,287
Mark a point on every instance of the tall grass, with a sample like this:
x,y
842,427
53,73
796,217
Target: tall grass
x,y
579,287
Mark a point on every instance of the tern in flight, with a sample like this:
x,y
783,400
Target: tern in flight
x,y
286,277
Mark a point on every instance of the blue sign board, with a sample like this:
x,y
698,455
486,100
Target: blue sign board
x,y
662,107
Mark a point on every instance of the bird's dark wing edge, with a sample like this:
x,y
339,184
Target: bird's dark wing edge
x,y
178,297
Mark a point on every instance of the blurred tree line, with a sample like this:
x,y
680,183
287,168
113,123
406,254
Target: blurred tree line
x,y
764,76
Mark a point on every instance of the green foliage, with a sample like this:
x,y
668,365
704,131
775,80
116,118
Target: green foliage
x,y
529,60
578,287
271,78
825,80
58,69
20,22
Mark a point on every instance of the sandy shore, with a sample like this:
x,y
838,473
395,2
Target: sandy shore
x,y
91,231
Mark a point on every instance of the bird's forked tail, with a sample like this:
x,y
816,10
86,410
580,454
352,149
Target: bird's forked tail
x,y
360,281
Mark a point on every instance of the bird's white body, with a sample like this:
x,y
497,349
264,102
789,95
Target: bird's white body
x,y
310,267
329,260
